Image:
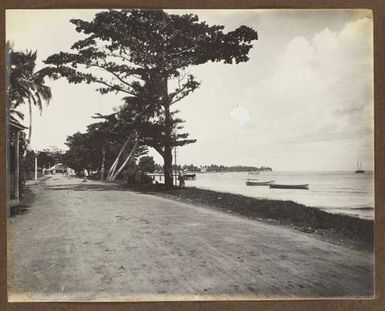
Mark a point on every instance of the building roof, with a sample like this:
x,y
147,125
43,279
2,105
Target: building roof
x,y
57,166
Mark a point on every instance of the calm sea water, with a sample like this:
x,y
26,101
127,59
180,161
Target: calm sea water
x,y
334,192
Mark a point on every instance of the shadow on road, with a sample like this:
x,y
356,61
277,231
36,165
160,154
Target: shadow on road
x,y
19,210
87,187
26,201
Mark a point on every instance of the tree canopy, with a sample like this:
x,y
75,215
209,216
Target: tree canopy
x,y
147,164
136,43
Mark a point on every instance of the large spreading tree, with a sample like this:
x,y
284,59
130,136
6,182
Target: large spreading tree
x,y
126,51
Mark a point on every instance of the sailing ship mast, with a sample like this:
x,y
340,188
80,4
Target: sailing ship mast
x,y
359,168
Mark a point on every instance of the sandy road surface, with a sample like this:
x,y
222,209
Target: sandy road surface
x,y
93,241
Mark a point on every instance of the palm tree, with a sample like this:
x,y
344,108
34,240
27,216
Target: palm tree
x,y
12,93
25,85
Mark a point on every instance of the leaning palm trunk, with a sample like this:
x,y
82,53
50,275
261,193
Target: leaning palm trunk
x,y
128,158
112,169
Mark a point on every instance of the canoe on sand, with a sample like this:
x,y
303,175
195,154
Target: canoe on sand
x,y
280,186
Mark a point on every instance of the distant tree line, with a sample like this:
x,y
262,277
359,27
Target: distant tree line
x,y
236,168
216,168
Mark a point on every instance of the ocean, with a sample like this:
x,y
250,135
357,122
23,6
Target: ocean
x,y
334,192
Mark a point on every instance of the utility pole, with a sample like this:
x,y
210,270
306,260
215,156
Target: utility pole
x,y
176,168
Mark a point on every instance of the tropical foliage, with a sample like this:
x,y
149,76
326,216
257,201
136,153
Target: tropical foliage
x,y
147,164
103,145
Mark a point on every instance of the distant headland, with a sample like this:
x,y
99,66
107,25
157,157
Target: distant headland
x,y
223,168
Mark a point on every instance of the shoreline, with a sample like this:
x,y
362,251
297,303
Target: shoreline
x,y
327,209
336,228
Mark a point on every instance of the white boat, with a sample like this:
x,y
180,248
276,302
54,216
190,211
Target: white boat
x,y
256,182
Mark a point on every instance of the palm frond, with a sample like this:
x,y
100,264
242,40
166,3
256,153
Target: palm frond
x,y
14,112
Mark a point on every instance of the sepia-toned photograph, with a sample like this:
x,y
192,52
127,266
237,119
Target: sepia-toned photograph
x,y
189,155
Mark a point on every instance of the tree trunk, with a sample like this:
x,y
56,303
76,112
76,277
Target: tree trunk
x,y
167,156
30,121
17,167
103,163
111,172
167,167
129,157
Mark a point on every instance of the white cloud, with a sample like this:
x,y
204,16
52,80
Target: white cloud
x,y
319,90
241,114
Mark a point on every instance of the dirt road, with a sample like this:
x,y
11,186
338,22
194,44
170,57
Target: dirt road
x,y
93,241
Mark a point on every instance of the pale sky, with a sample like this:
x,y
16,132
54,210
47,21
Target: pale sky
x,y
304,100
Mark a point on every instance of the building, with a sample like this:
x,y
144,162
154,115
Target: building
x,y
57,168
13,163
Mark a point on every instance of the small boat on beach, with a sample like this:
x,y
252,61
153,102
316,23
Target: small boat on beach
x,y
281,186
256,182
188,175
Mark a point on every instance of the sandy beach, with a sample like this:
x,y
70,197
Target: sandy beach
x,y
100,242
